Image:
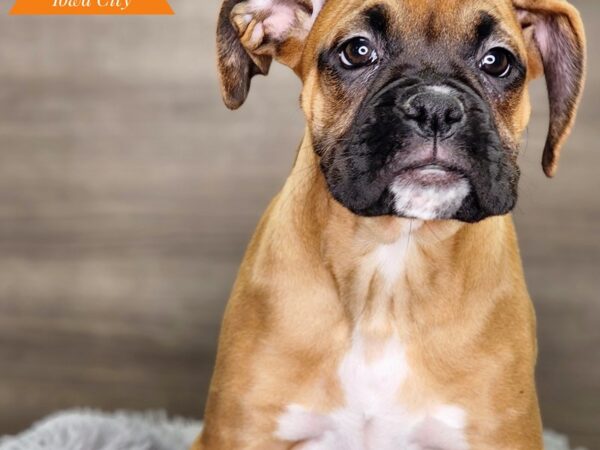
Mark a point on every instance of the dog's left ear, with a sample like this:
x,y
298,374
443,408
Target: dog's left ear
x,y
555,37
251,33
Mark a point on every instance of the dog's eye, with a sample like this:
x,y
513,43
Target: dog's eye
x,y
496,63
358,52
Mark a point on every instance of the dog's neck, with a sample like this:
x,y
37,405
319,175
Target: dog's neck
x,y
388,270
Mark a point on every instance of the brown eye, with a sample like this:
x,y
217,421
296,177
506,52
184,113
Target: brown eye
x,y
496,63
358,52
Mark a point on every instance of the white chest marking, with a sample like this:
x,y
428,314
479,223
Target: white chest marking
x,y
390,259
372,417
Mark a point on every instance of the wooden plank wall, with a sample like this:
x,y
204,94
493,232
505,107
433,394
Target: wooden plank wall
x,y
128,192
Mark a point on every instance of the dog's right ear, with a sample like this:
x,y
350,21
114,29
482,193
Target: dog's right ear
x,y
251,33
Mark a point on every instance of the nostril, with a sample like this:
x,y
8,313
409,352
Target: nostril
x,y
453,115
414,112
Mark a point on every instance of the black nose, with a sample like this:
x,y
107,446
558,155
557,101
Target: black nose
x,y
434,113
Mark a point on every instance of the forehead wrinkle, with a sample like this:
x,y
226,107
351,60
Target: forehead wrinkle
x,y
466,18
486,27
377,18
342,19
499,35
371,21
458,14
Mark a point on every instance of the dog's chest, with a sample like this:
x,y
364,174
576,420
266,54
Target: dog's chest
x,y
376,379
373,416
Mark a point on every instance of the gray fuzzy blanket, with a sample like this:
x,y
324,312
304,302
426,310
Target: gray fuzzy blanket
x,y
93,430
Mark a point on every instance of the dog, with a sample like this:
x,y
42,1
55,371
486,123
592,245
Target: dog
x,y
381,304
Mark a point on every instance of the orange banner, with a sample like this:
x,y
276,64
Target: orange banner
x,y
91,7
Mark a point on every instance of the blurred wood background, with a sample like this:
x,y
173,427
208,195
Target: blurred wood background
x,y
128,193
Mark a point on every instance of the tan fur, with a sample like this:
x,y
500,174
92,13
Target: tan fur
x,y
461,307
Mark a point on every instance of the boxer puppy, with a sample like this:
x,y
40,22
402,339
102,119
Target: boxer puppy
x,y
381,304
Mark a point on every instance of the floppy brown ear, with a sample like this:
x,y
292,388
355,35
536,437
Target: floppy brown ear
x,y
251,33
555,37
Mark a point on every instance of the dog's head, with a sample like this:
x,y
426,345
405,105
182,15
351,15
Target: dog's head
x,y
416,108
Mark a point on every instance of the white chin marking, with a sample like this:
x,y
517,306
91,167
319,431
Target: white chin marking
x,y
428,202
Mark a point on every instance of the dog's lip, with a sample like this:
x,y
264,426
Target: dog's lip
x,y
437,167
430,173
432,169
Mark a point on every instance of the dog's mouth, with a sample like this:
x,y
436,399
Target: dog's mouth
x,y
430,174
